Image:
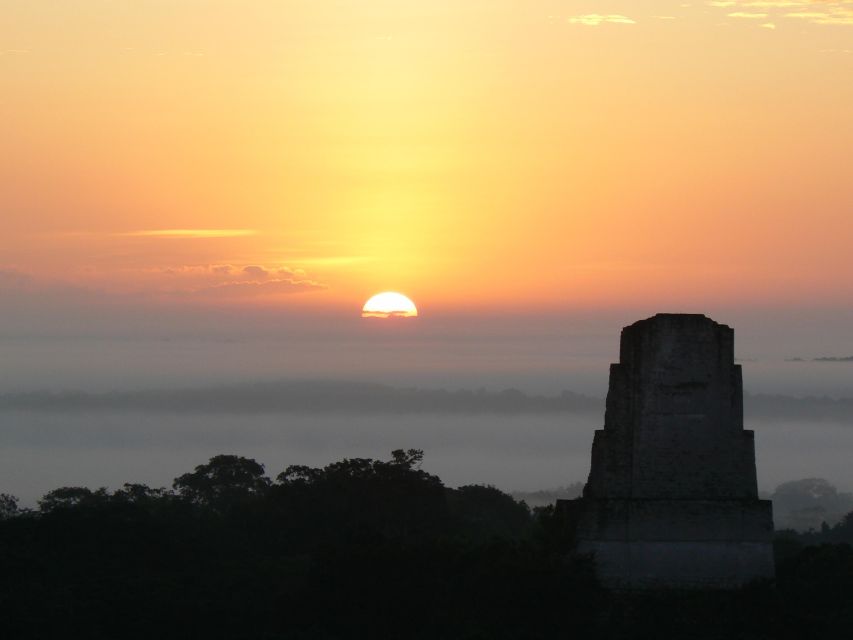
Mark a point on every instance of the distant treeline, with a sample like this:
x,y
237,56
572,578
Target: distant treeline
x,y
356,397
364,548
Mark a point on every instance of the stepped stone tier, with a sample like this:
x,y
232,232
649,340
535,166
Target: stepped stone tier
x,y
672,498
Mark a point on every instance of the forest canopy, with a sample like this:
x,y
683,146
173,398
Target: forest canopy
x,y
362,548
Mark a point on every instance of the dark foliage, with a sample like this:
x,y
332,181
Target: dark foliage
x,y
222,483
8,506
361,549
486,512
789,542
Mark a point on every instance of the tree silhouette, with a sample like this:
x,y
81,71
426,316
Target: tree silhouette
x,y
139,493
224,481
487,511
68,497
8,506
357,498
409,458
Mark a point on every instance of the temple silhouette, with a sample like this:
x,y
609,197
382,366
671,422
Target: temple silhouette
x,y
672,497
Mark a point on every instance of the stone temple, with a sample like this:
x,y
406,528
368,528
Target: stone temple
x,y
672,498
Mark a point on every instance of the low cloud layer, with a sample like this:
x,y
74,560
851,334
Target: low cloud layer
x,y
203,282
251,289
228,281
324,397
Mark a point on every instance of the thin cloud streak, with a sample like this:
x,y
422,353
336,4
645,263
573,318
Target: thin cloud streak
x,y
823,12
332,261
596,19
190,233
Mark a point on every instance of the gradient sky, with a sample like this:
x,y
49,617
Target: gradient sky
x,y
198,192
477,154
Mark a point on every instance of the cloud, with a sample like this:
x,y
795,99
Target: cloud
x,y
195,270
256,272
230,290
222,281
778,4
774,4
596,19
836,15
229,281
333,261
822,12
190,233
287,271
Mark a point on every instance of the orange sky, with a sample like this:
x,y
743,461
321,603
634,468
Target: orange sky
x,y
486,153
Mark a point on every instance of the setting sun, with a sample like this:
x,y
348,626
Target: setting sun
x,y
389,304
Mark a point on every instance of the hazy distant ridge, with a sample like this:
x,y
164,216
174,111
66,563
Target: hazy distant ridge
x,y
355,397
309,397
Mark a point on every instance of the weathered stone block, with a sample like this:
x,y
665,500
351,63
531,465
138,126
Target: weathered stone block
x,y
672,498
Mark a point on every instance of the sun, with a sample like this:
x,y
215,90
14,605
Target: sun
x,y
389,304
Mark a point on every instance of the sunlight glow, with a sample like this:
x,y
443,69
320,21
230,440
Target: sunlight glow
x,y
389,304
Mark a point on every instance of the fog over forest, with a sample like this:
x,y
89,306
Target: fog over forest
x,y
98,399
511,439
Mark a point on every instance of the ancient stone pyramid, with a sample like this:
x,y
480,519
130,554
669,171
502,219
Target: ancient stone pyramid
x,y
672,498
